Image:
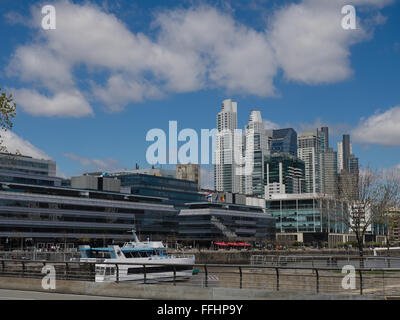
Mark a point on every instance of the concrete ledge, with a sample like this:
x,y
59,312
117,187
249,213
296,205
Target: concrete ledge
x,y
165,292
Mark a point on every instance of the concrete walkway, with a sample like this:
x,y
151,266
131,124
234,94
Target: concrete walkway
x,y
6,294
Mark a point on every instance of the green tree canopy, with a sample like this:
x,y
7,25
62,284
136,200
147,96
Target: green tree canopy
x,y
7,114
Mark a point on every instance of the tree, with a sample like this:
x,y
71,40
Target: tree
x,y
390,216
366,196
7,114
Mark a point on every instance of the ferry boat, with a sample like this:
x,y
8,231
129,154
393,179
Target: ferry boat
x,y
137,255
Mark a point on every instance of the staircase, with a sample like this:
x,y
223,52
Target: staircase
x,y
226,232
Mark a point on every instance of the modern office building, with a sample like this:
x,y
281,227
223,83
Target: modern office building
x,y
93,182
159,172
327,164
328,172
346,151
308,150
284,173
345,155
204,223
176,192
348,168
310,217
41,216
189,172
23,169
228,149
255,150
393,224
353,165
284,141
324,137
339,156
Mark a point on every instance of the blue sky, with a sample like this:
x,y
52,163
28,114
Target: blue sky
x,y
89,91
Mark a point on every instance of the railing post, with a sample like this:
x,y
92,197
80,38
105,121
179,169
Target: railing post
x,y
144,273
277,279
361,283
317,274
23,269
66,271
3,266
174,275
117,272
206,276
241,277
92,268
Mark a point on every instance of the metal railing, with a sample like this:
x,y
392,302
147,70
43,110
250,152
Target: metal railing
x,y
314,261
368,281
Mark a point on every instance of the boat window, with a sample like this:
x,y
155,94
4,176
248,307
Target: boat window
x,y
100,270
108,271
99,254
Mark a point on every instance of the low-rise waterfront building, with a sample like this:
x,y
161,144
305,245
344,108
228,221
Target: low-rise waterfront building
x,y
205,223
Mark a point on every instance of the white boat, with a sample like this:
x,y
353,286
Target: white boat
x,y
139,255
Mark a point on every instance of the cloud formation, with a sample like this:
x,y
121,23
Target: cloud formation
x,y
15,144
96,164
381,128
188,50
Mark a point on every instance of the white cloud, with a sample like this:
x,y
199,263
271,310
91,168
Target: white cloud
x,y
270,125
96,164
233,56
309,42
119,91
42,66
15,144
380,128
191,49
63,103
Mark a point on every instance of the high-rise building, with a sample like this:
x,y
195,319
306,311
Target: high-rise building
x,y
256,148
328,171
346,161
339,156
353,164
226,177
308,150
346,151
327,164
284,173
284,141
324,134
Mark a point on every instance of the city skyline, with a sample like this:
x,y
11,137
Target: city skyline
x,y
361,101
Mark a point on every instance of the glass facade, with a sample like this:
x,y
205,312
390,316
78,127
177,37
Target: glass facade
x,y
27,165
288,168
207,222
81,216
308,215
176,191
284,141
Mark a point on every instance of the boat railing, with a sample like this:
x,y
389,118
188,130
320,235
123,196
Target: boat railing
x,y
188,256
